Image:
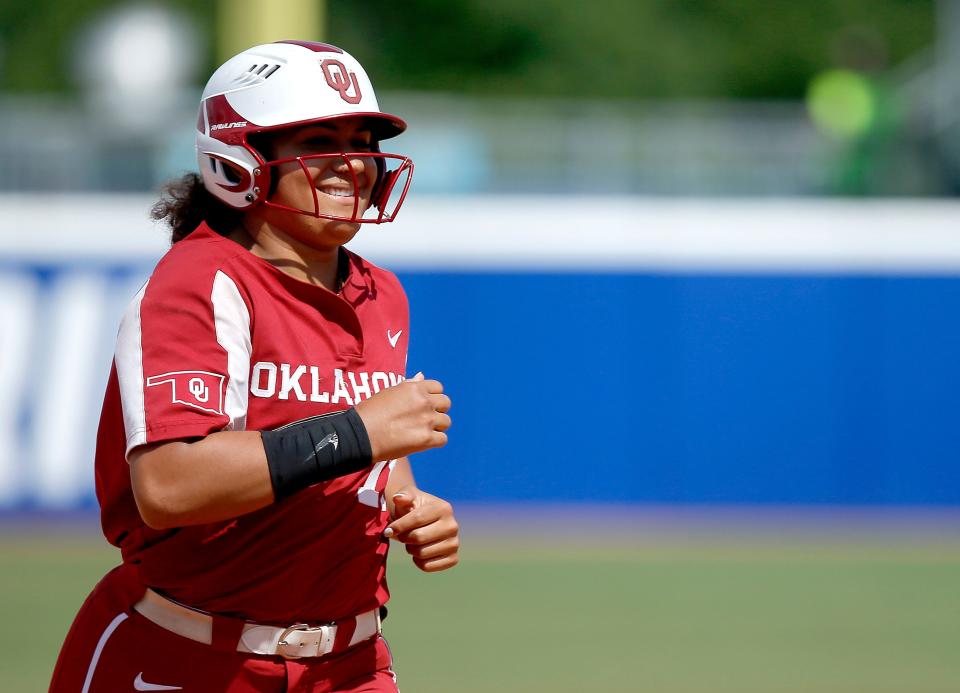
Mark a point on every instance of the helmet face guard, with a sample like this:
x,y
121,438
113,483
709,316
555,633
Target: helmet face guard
x,y
394,174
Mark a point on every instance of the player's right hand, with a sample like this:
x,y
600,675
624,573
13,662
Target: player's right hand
x,y
406,418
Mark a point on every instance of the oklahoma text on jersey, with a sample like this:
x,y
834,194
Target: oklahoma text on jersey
x,y
305,383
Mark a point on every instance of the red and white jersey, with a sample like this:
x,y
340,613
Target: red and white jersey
x,y
219,339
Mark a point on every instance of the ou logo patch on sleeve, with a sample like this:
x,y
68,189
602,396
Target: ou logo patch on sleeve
x,y
198,389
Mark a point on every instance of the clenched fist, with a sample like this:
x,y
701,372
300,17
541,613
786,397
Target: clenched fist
x,y
406,418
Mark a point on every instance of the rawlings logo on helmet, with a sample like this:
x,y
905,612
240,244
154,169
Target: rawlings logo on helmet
x,y
340,78
227,126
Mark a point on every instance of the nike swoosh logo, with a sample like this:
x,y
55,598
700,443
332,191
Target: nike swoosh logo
x,y
394,338
140,685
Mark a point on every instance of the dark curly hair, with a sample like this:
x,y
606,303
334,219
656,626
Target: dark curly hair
x,y
185,202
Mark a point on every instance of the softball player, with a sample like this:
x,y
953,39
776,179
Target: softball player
x,y
251,453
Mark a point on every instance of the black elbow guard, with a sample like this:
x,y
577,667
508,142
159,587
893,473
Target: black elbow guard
x,y
324,447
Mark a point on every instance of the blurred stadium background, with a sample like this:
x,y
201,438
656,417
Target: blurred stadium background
x,y
690,270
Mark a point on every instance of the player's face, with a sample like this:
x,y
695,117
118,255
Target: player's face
x,y
331,177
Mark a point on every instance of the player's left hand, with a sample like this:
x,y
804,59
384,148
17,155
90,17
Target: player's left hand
x,y
426,525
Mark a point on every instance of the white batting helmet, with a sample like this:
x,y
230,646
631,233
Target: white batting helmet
x,y
284,84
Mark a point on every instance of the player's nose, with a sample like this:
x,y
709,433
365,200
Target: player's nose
x,y
355,165
346,163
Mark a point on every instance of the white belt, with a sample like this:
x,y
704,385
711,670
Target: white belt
x,y
292,642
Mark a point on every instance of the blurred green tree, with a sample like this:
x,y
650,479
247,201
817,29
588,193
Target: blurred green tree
x,y
38,39
600,49
616,48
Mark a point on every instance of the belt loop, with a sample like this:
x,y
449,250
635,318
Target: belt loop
x,y
226,633
345,631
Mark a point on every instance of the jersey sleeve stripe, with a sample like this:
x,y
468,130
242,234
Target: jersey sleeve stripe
x,y
232,323
129,362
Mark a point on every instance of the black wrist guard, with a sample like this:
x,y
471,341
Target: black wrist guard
x,y
324,447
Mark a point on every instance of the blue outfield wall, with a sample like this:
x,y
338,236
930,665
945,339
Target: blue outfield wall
x,y
693,388
717,352
624,387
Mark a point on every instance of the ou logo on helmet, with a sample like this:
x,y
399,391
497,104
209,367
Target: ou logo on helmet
x,y
340,78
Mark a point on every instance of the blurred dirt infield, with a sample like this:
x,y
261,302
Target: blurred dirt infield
x,y
583,598
600,525
584,519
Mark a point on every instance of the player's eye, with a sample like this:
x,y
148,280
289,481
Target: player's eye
x,y
318,142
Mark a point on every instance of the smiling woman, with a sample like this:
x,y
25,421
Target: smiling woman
x,y
252,453
326,174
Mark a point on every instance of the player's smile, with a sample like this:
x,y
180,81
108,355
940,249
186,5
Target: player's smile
x,y
336,192
341,191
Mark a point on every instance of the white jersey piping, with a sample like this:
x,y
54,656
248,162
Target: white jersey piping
x,y
129,362
120,618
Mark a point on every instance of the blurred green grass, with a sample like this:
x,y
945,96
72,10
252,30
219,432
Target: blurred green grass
x,y
671,615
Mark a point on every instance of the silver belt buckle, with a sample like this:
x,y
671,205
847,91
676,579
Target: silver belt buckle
x,y
293,650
